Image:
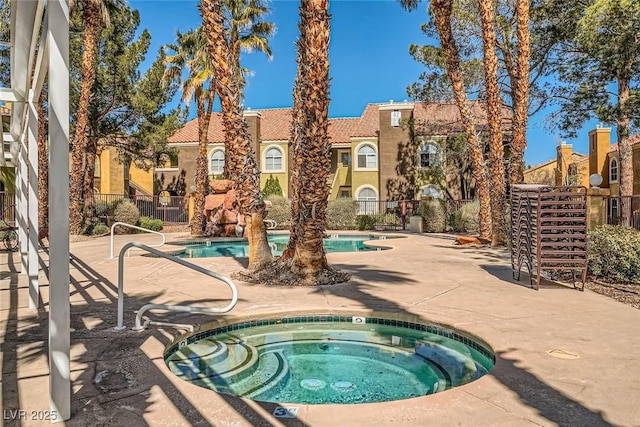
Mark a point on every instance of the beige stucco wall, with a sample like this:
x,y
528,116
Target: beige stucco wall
x,y
283,175
141,178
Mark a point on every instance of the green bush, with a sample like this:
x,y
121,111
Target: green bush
x,y
125,212
434,215
614,253
365,222
150,224
469,217
100,229
272,187
280,211
341,214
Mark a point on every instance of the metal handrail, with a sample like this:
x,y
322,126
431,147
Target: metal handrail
x,y
177,308
137,228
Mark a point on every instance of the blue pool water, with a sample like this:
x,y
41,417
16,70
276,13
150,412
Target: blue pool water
x,y
329,359
278,243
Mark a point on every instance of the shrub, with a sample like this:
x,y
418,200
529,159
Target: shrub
x,y
150,224
125,212
341,214
614,253
365,222
280,211
434,215
272,187
469,217
100,229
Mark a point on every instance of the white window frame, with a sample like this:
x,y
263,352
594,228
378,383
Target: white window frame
x,y
356,163
614,165
434,157
265,167
368,208
216,150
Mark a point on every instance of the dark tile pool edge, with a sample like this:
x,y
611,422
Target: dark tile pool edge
x,y
416,323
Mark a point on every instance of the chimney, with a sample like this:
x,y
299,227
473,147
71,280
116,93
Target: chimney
x,y
253,119
599,147
563,161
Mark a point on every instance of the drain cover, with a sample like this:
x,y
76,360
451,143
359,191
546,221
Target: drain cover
x,y
563,354
313,384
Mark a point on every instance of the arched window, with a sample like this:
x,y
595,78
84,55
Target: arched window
x,y
431,191
273,159
429,155
216,162
613,170
367,201
367,158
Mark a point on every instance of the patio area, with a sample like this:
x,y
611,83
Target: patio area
x,y
119,378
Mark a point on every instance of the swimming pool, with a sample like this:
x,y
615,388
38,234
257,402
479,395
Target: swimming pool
x,y
323,359
278,243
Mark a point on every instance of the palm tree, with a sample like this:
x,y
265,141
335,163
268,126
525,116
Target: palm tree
x,y
95,14
191,54
43,165
442,11
311,147
241,165
520,89
246,31
494,118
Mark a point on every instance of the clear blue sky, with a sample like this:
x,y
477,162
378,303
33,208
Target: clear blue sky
x,y
369,57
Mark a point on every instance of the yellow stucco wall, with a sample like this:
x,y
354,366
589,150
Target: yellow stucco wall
x,y
542,174
283,176
143,179
8,177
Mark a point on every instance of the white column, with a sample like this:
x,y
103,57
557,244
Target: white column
x,y
32,261
59,340
23,207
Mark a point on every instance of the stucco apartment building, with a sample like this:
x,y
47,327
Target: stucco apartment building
x,y
376,156
571,168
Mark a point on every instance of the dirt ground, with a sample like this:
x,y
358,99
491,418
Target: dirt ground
x,y
628,294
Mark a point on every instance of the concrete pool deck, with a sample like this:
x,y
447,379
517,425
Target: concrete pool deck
x,y
119,378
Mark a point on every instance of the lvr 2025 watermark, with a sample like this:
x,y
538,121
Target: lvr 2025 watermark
x,y
22,414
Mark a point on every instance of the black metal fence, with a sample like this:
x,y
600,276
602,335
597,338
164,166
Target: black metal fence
x,y
169,209
8,205
623,211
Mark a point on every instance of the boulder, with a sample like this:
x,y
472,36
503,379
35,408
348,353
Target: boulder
x,y
221,186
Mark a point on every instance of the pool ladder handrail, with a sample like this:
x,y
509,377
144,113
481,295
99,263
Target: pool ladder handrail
x,y
124,224
177,308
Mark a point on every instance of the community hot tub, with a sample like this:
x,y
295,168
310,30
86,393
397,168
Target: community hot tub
x,y
321,359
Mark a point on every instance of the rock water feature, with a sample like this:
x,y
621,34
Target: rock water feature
x,y
220,210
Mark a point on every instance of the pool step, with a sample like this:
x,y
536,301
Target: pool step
x,y
274,371
215,364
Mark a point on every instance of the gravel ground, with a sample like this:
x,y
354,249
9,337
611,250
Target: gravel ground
x,y
628,294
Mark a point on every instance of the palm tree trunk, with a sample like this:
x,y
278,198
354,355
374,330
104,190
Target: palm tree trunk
x,y
313,150
626,151
297,128
92,28
243,168
198,221
88,187
43,166
442,10
520,94
494,118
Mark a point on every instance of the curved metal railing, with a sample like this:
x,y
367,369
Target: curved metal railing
x,y
124,224
177,308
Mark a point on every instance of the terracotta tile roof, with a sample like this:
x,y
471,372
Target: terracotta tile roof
x,y
275,123
189,132
444,117
274,126
634,139
369,122
340,130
